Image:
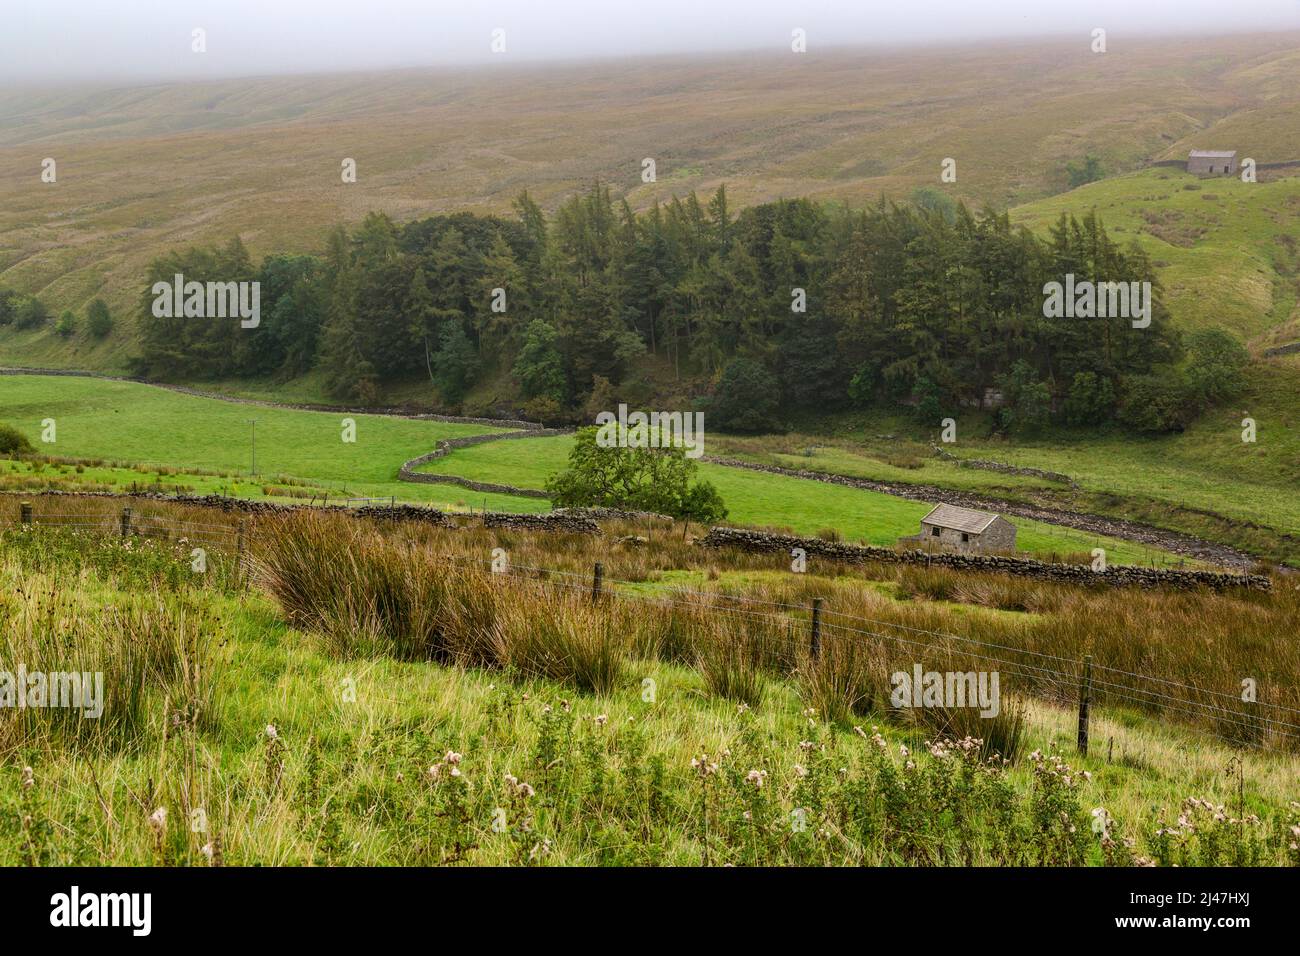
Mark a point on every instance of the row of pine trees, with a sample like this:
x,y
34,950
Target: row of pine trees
x,y
789,305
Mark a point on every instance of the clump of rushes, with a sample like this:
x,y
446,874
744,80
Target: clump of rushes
x,y
735,655
847,679
565,638
421,592
138,643
1001,736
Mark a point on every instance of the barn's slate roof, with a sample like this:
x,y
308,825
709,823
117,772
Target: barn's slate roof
x,y
959,519
1212,154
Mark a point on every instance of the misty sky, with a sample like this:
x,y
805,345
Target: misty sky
x,y
110,40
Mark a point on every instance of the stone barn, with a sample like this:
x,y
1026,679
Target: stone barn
x,y
963,529
1212,162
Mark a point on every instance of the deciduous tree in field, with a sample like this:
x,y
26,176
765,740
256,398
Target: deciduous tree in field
x,y
636,478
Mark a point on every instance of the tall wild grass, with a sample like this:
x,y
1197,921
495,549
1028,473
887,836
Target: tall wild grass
x,y
427,593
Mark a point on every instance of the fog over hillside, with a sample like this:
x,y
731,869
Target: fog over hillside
x,y
86,40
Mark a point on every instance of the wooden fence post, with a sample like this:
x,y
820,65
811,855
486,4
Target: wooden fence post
x,y
25,510
126,522
596,578
1085,695
816,645
239,552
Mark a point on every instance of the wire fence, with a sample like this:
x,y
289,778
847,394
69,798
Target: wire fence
x,y
1070,679
1082,680
130,522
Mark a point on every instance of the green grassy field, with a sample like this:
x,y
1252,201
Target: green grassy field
x,y
122,422
755,498
127,422
1226,251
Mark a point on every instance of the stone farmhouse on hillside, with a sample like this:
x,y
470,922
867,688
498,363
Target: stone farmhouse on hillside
x,y
963,529
1212,162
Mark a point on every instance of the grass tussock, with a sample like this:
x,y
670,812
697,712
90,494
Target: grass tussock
x,y
735,657
142,659
565,639
846,681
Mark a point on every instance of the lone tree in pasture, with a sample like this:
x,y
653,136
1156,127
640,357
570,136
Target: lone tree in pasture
x,y
634,475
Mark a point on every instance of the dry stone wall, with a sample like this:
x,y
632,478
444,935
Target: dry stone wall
x,y
568,522
546,521
984,464
248,507
616,514
448,445
1116,575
